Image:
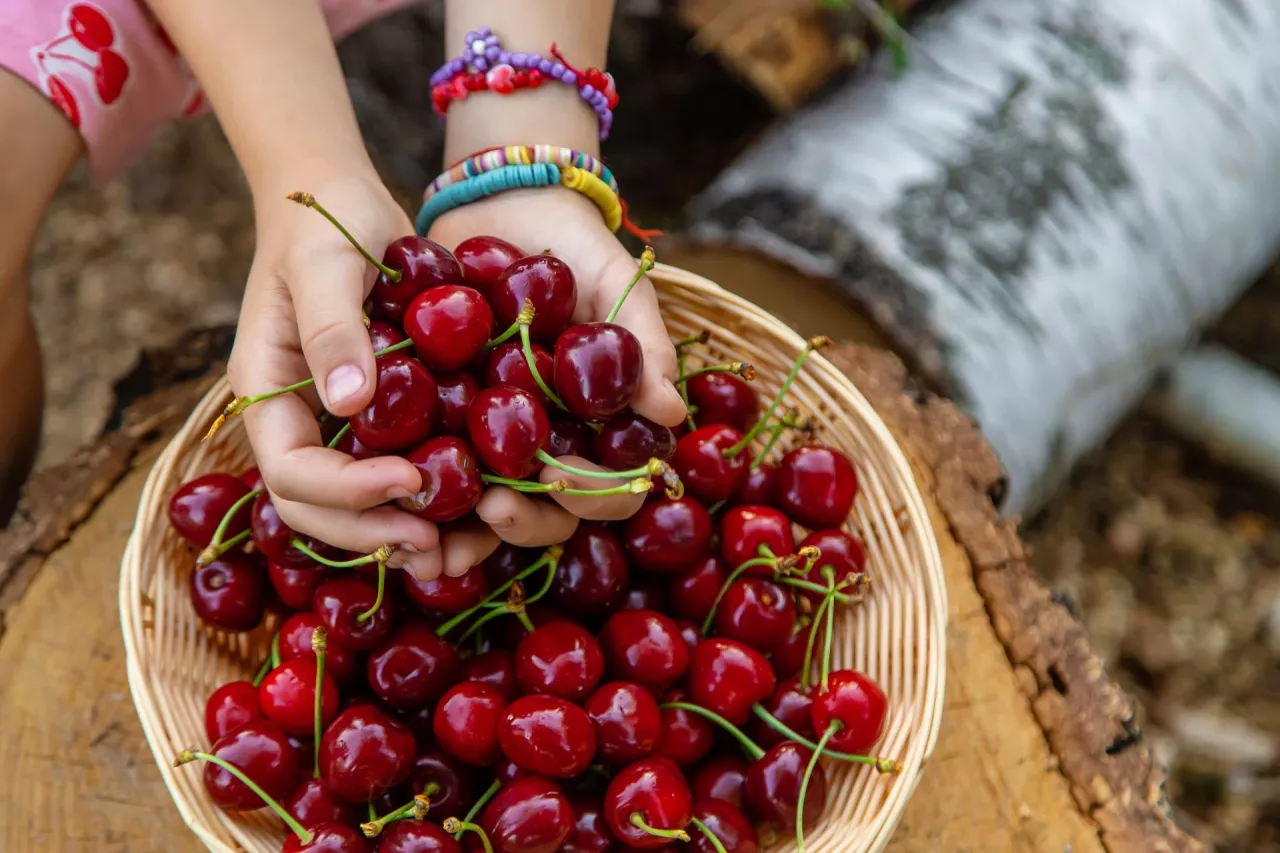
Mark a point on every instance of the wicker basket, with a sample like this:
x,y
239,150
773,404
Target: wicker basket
x,y
897,637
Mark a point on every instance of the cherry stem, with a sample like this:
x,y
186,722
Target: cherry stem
x,y
457,827
379,556
415,808
527,346
774,435
481,622
646,264
812,587
262,671
882,765
733,576
684,390
811,346
319,644
223,524
189,755
339,435
653,468
830,575
373,812
700,338
637,820
208,555
638,486
549,557
275,650
737,368
510,332
748,745
308,200
806,672
804,783
489,794
377,600
711,836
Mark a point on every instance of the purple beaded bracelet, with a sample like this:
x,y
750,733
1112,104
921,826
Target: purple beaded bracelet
x,y
484,52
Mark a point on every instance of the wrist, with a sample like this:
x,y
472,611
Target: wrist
x,y
310,172
552,114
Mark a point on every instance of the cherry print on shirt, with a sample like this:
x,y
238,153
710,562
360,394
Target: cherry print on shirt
x,y
83,49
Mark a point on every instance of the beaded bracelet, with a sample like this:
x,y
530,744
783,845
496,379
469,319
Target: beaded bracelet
x,y
519,155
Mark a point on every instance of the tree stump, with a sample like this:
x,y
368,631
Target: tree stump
x,y
1038,750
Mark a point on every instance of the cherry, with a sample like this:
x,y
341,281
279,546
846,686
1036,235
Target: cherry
x,y
746,530
728,677
787,658
449,326
507,365
403,406
413,667
383,335
110,75
729,826
645,593
790,704
559,659
272,536
495,668
756,612
857,705
416,836
287,696
327,838
758,489
364,753
296,585
530,815
590,829
597,369
773,786
689,632
627,721
547,281
685,737
252,478
592,573
816,486
507,771
645,647
466,722
61,96
311,804
306,752
838,549
350,445
722,777
723,399
509,632
197,507
569,437
340,601
506,562
447,594
421,264
648,804
628,441
668,535
547,736
508,427
296,634
483,260
230,707
454,394
261,751
694,591
706,472
451,485
89,26
230,593
453,784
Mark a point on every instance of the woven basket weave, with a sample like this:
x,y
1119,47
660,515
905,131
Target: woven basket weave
x,y
897,637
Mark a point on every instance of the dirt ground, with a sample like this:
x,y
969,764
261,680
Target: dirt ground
x,y
1172,561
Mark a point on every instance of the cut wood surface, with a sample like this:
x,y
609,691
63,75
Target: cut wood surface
x,y
1036,754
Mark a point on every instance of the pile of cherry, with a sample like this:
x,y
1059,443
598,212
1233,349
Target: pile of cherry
x,y
660,683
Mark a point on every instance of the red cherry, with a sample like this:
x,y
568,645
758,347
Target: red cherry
x,y
546,280
728,824
667,535
508,427
723,399
689,632
413,667
451,485
694,591
454,394
707,473
288,696
311,805
508,633
756,612
273,537
816,486
230,707
506,562
859,706
790,704
592,573
597,369
685,737
339,602
350,445
745,530
466,722
383,335
110,75
507,771
446,594
261,751
296,586
421,264
449,325
328,838
548,736
627,721
89,26
495,668
61,96
507,365
629,441
758,489
197,507
773,786
416,836
403,406
645,593
483,259
452,780
559,659
365,753
722,777
842,552
569,437
644,647
529,815
230,593
655,790
787,658
728,677
253,479
295,642
590,829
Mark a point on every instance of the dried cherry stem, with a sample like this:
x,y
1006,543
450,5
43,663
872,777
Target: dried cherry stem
x,y
750,747
213,552
262,671
489,794
550,557
813,345
339,435
637,820
804,782
711,836
379,556
646,264
189,755
319,645
308,200
457,827
737,368
638,486
806,671
724,587
415,807
239,404
653,468
517,607
377,599
700,338
882,765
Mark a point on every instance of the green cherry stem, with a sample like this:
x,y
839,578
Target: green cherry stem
x,y
225,522
737,368
711,836
646,264
339,435
208,555
189,755
806,671
733,576
308,200
488,617
748,745
804,783
413,809
700,338
652,468
457,827
549,557
827,639
372,811
377,600
774,435
319,644
523,320
638,486
510,332
275,650
262,671
489,794
379,556
637,820
882,765
812,587
811,346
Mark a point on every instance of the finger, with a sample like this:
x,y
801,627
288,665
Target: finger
x,y
424,567
362,531
604,508
523,521
466,545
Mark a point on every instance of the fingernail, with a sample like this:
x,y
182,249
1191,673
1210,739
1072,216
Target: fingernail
x,y
671,389
409,547
501,523
395,493
344,382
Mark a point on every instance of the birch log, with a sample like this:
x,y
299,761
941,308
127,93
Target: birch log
x,y
1044,209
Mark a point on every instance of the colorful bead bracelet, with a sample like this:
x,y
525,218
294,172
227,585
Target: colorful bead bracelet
x,y
520,155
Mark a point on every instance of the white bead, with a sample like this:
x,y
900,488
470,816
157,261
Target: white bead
x,y
478,47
